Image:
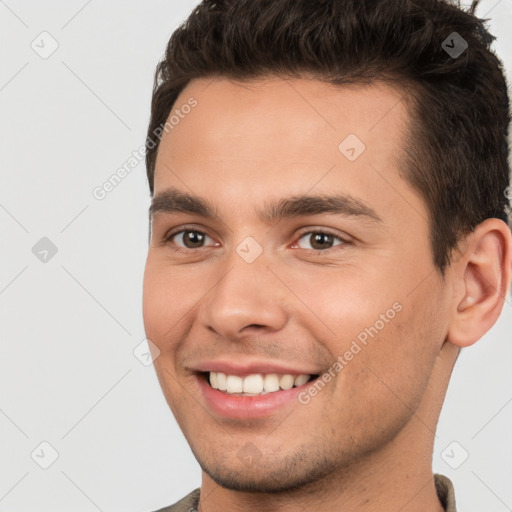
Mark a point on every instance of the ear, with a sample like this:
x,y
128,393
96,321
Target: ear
x,y
481,279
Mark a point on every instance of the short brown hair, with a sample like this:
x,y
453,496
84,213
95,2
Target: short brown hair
x,y
456,156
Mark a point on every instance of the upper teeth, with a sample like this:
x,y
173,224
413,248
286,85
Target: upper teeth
x,y
255,383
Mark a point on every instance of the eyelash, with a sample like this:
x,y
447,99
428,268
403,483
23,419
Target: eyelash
x,y
169,238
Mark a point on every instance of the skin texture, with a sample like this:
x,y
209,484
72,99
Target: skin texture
x,y
365,441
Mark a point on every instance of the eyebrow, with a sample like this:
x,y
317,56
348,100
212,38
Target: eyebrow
x,y
175,201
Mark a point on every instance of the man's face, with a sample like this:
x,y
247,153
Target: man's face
x,y
358,280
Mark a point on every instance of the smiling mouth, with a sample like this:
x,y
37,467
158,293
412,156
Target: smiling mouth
x,y
254,384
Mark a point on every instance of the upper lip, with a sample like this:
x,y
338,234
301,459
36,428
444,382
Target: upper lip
x,y
248,367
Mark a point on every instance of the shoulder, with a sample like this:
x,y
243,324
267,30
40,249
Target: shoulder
x,y
445,492
187,504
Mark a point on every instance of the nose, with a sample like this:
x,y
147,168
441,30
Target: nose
x,y
248,298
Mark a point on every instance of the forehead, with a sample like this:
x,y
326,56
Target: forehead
x,y
298,110
252,139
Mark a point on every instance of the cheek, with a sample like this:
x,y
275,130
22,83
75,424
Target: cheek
x,y
388,338
381,387
161,304
400,359
347,302
152,303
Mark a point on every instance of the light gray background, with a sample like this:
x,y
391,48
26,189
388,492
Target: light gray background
x,y
68,375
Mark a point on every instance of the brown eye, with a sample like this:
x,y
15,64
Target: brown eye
x,y
189,239
319,240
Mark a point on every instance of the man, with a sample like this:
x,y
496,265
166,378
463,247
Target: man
x,y
328,230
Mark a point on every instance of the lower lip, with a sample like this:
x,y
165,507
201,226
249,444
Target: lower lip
x,y
243,407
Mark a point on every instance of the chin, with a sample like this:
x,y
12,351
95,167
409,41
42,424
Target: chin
x,y
261,479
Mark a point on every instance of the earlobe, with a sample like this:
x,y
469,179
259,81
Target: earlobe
x,y
482,278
